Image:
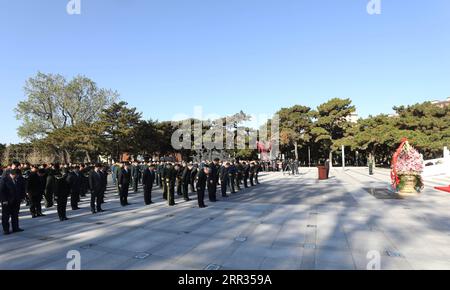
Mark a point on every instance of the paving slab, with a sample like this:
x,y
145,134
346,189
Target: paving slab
x,y
286,222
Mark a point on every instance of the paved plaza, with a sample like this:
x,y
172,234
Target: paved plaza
x,y
287,222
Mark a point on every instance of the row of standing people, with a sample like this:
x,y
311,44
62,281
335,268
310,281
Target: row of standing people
x,y
55,183
182,178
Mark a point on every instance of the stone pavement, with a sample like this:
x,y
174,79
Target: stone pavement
x,y
287,222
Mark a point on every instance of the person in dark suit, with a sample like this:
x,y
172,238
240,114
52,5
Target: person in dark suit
x,y
186,180
148,178
62,191
217,164
202,178
165,189
12,193
75,179
239,175
14,165
50,185
224,178
84,170
211,183
193,176
124,180
170,175
35,188
96,185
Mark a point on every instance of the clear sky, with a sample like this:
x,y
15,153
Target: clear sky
x,y
166,56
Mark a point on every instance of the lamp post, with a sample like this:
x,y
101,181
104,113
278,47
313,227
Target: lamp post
x,y
309,156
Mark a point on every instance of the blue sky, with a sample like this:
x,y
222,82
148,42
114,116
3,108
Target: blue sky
x,y
167,56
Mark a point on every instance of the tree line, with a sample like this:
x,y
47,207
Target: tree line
x,y
76,121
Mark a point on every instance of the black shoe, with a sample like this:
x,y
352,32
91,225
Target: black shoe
x,y
41,214
6,233
100,210
18,230
203,206
66,218
187,199
93,212
34,216
75,208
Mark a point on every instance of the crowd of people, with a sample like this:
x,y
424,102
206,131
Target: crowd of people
x,y
56,184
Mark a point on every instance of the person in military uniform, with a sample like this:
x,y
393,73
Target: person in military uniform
x,y
170,176
252,173
12,192
141,167
124,183
232,177
135,172
257,170
186,180
224,178
148,178
245,173
61,191
104,175
75,181
35,189
114,169
202,178
160,171
96,185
